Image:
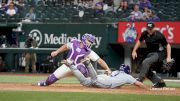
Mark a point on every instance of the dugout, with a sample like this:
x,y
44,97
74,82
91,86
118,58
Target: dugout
x,y
7,35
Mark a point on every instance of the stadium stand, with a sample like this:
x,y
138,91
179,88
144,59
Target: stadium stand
x,y
54,12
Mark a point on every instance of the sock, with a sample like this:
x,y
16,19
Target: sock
x,y
51,79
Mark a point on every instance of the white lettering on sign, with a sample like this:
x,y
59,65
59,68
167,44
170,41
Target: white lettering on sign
x,y
63,38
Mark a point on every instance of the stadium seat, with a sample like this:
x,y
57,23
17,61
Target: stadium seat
x,y
166,10
3,19
171,0
161,1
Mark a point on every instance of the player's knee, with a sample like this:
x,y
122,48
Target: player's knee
x,y
83,70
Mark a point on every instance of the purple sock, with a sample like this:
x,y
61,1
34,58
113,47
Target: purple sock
x,y
51,79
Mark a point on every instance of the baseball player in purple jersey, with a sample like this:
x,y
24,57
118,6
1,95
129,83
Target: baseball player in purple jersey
x,y
78,50
116,79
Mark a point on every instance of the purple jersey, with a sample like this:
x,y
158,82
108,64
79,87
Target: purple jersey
x,y
77,53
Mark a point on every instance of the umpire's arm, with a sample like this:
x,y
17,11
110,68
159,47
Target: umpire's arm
x,y
137,45
168,48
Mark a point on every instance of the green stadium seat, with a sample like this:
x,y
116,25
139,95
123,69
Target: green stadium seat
x,y
161,1
3,19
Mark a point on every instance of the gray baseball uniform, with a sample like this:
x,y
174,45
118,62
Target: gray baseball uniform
x,y
103,81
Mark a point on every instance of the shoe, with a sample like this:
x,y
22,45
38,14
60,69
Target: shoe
x,y
159,85
139,80
42,83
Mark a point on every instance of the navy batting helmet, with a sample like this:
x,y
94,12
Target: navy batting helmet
x,y
124,68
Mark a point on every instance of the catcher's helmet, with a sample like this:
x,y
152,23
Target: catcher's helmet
x,y
88,40
124,68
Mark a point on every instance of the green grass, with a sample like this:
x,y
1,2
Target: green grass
x,y
32,79
35,79
7,95
173,84
168,83
68,96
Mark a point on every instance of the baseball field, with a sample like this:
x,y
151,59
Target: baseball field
x,y
22,87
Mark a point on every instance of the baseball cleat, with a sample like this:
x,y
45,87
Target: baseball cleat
x,y
139,80
159,85
42,83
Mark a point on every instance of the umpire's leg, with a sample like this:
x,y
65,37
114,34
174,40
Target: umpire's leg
x,y
156,80
153,76
146,64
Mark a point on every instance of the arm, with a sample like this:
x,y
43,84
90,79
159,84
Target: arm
x,y
164,43
140,84
103,64
60,50
137,45
168,48
94,57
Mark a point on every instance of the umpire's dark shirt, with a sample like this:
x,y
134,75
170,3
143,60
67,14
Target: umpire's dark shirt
x,y
154,41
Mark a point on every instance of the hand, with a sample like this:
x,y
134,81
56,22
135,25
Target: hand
x,y
67,62
134,55
54,53
64,62
168,60
85,60
108,72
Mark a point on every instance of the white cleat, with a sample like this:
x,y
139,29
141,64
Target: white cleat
x,y
42,83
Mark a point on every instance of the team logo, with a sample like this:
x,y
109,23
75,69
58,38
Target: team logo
x,y
36,35
130,33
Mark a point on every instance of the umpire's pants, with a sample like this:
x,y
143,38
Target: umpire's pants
x,y
145,69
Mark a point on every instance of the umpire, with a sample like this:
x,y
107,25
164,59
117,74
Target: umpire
x,y
158,49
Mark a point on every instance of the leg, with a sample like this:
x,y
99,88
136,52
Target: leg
x,y
33,62
153,76
83,69
27,59
151,58
60,73
155,79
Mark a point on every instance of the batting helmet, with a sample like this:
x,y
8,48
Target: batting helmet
x,y
88,40
124,68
